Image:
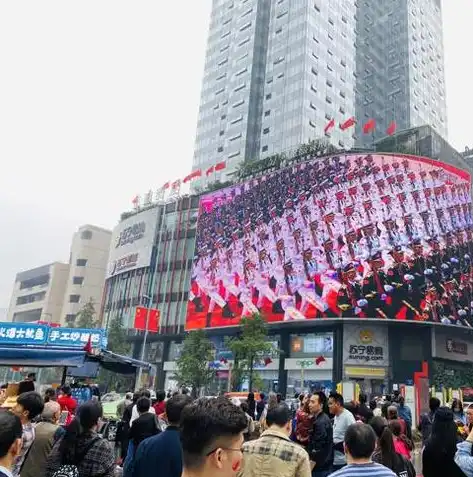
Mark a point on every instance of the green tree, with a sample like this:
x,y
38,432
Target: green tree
x,y
117,337
86,316
193,363
251,347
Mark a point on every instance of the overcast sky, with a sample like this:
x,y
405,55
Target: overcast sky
x,y
98,102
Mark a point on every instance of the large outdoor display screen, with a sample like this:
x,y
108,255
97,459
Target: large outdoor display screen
x,y
351,236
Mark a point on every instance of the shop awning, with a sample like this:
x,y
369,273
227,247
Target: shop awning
x,y
120,364
40,357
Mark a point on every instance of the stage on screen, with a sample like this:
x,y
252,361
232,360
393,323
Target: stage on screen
x,y
372,236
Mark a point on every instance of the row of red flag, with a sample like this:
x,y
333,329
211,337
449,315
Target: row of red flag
x,y
368,127
219,166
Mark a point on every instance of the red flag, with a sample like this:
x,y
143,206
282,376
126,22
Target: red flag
x,y
166,186
136,201
267,361
88,346
369,126
141,314
220,166
210,170
348,123
391,128
320,360
330,125
187,178
196,173
176,184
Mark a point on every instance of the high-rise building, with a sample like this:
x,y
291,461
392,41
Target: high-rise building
x,y
400,66
277,71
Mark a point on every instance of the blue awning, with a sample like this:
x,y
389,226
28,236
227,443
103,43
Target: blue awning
x,y
40,357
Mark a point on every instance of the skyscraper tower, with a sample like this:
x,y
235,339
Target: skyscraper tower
x,y
400,66
277,71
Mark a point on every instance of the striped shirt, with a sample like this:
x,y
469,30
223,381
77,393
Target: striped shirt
x,y
364,470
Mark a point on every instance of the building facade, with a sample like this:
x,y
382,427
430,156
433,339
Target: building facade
x,y
277,72
38,294
87,268
400,66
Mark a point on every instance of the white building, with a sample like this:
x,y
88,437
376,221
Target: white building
x,y
88,264
38,294
56,292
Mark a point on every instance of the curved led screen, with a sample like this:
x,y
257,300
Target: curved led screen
x,y
350,236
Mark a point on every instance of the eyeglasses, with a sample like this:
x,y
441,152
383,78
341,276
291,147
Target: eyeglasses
x,y
224,448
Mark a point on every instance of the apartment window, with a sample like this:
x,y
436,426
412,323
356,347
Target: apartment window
x,y
238,103
331,21
221,133
278,60
314,71
34,282
220,149
77,280
224,48
329,83
219,91
243,70
247,13
245,27
264,148
265,130
226,22
279,30
234,138
70,318
317,8
237,120
74,298
233,154
267,113
244,41
221,77
313,106
226,34
269,96
240,87
86,235
328,99
33,297
342,94
312,124
344,19
280,15
221,63
81,262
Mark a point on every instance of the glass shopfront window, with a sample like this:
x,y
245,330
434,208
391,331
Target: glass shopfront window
x,y
310,345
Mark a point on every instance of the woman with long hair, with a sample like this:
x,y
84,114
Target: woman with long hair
x,y
440,448
82,447
385,452
458,413
402,444
304,422
251,405
272,402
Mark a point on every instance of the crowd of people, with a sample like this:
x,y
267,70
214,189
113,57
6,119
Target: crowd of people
x,y
369,236
178,436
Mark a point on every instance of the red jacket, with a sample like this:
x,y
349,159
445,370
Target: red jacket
x,y
67,403
160,408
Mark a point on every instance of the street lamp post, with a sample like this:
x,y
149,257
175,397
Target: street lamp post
x,y
145,337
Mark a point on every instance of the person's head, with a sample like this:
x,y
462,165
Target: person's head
x,y
25,386
392,412
262,396
279,398
444,432
160,396
136,396
87,421
434,404
395,427
212,437
51,412
385,441
360,442
28,406
129,396
174,408
280,418
363,399
66,390
145,393
272,400
336,404
373,404
49,395
11,432
401,400
31,377
469,414
244,407
142,405
251,397
457,406
316,404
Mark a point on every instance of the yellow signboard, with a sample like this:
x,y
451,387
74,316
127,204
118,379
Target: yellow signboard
x,y
365,372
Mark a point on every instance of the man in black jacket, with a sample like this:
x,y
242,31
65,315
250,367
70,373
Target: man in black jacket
x,y
321,439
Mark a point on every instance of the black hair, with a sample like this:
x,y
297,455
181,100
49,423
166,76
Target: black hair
x,y
66,390
373,404
10,430
251,397
385,441
31,402
87,417
145,393
175,406
362,398
262,396
25,387
185,391
279,415
338,398
4,386
143,404
457,403
136,396
443,439
160,396
244,407
279,398
49,394
395,427
434,403
204,424
360,440
392,412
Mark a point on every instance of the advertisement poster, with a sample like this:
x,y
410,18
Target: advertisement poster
x,y
350,236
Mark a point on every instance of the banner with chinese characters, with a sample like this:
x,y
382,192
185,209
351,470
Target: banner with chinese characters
x,y
365,345
33,334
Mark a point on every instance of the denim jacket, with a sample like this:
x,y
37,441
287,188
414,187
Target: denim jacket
x,y
464,459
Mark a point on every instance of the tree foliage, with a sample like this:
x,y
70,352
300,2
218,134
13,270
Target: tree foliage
x,y
117,337
250,348
193,363
86,317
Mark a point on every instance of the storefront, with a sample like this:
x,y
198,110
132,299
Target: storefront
x,y
452,364
309,366
366,357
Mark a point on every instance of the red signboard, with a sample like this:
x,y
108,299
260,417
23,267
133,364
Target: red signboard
x,y
142,314
350,236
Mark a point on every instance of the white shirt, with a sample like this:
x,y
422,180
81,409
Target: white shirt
x,y
5,471
135,414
